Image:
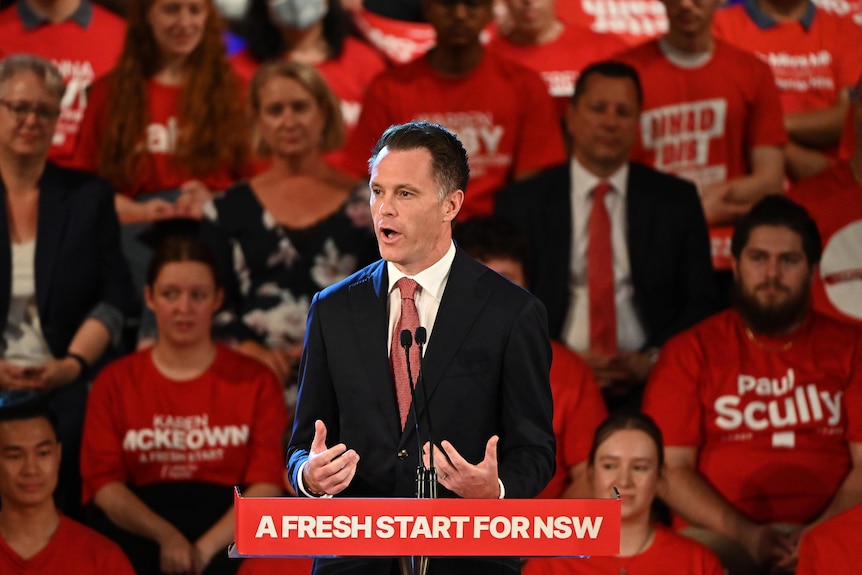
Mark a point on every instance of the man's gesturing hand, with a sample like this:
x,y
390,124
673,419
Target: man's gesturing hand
x,y
460,476
328,471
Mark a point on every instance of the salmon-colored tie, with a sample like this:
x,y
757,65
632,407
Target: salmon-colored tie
x,y
409,320
600,275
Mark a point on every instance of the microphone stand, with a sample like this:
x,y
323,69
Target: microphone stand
x,y
415,565
426,477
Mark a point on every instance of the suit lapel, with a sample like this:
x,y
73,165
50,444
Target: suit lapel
x,y
369,308
461,304
51,222
639,215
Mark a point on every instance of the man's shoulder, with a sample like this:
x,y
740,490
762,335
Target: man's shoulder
x,y
546,184
660,185
339,290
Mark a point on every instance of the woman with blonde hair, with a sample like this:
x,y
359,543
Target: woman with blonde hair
x,y
293,229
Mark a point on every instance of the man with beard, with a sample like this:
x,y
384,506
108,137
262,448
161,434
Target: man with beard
x,y
761,404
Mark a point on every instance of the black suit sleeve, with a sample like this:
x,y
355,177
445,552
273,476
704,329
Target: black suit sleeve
x,y
527,449
317,403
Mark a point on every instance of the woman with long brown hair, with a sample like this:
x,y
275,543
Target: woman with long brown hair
x,y
170,116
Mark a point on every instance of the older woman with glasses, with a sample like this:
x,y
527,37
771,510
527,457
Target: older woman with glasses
x,y
63,281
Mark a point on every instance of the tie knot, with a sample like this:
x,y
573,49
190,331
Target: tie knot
x,y
600,191
408,287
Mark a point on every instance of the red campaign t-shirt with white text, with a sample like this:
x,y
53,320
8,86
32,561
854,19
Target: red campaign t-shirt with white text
x,y
157,170
811,67
560,61
771,418
81,54
578,411
848,9
632,21
224,426
702,123
834,200
500,111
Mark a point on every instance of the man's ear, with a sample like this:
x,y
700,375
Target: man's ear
x,y
452,205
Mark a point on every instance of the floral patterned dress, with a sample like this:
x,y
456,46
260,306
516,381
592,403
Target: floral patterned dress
x,y
271,272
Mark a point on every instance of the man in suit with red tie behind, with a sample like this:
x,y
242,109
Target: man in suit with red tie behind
x,y
485,370
620,251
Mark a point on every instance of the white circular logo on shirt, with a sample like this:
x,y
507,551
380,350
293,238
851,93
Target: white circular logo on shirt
x,y
841,270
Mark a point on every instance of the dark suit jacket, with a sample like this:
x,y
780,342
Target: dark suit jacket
x,y
668,246
79,268
486,372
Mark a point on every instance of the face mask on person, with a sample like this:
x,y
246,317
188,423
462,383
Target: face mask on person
x,y
299,14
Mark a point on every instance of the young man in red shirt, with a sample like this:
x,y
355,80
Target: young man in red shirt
x,y
35,539
761,404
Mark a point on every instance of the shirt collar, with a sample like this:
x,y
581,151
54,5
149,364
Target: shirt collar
x,y
584,180
82,16
764,21
432,279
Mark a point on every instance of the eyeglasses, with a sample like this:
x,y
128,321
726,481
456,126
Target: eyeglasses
x,y
22,110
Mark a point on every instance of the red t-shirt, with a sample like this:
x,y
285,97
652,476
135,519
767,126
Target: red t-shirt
x,y
834,200
849,9
398,40
560,61
500,111
669,554
702,123
224,426
832,547
578,411
82,54
763,411
72,550
157,171
632,21
811,65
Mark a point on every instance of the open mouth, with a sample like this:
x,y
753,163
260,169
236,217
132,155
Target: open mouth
x,y
388,233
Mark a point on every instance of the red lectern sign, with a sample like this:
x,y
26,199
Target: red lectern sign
x,y
290,526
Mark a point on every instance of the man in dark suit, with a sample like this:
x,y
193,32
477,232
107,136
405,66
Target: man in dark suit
x,y
661,280
485,370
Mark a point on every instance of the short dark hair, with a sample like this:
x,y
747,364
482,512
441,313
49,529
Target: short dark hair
x,y
22,404
179,246
627,420
610,69
779,211
490,237
450,167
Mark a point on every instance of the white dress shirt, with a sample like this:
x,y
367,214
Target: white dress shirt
x,y
576,328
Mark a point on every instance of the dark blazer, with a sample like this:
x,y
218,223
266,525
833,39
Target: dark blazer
x,y
668,246
486,372
79,268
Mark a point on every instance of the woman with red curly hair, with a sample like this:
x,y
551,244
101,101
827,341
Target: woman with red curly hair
x,y
170,116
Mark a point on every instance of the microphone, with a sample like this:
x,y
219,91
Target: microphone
x,y
407,342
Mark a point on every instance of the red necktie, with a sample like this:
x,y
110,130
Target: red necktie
x,y
409,320
600,275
